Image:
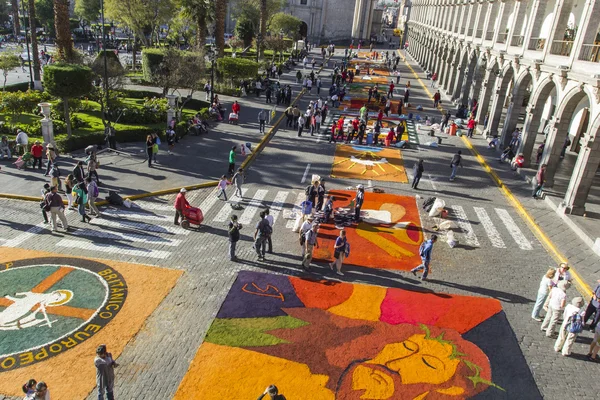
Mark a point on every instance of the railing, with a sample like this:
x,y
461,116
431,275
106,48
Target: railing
x,y
478,33
561,47
489,35
590,52
537,44
517,41
470,32
502,37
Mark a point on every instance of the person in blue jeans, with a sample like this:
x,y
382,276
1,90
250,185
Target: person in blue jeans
x,y
425,253
455,163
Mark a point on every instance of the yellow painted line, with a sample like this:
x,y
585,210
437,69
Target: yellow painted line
x,y
582,286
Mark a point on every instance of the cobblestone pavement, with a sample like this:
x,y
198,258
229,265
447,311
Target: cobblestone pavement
x,y
497,257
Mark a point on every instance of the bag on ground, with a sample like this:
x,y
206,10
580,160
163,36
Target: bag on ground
x,y
437,207
427,204
114,199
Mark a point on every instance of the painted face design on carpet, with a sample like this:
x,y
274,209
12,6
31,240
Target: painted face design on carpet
x,y
48,307
340,341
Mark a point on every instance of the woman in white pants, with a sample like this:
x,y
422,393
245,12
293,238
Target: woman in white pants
x,y
556,305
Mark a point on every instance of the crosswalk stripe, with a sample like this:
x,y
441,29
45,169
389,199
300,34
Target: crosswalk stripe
x,y
148,205
224,212
301,197
465,226
277,204
513,229
208,202
130,237
110,248
489,227
253,206
28,234
139,225
133,214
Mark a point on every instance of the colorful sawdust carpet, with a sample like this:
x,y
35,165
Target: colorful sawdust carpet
x,y
56,310
388,237
362,162
326,340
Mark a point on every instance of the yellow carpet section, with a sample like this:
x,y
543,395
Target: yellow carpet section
x,y
364,303
376,163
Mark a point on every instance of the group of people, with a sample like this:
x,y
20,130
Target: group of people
x,y
311,119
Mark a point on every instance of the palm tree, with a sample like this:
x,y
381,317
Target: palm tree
x,y
263,21
220,14
34,43
64,41
199,12
14,5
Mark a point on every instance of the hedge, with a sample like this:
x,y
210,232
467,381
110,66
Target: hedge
x,y
151,59
17,87
237,67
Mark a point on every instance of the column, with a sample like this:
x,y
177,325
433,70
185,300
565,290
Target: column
x,y
562,10
586,34
468,23
461,21
506,9
490,18
479,19
457,11
516,25
529,133
449,16
487,87
357,21
583,175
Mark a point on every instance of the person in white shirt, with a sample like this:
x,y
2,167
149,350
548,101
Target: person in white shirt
x,y
309,85
545,285
565,339
306,226
41,392
562,273
22,140
271,221
556,305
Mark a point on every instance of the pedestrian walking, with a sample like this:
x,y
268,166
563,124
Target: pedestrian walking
x,y
594,347
318,85
310,243
434,78
222,186
149,149
358,202
436,99
105,373
301,122
234,236
540,178
268,92
69,190
546,285
171,138
54,204
445,121
321,194
406,95
180,204
390,92
425,251
311,192
417,173
237,180
207,91
262,117
81,200
231,161
271,222
556,305
571,327
340,249
455,163
471,127
304,228
593,308
262,232
93,194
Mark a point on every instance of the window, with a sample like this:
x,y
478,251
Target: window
x,y
304,2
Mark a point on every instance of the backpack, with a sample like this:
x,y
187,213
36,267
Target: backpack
x,y
265,229
575,324
234,233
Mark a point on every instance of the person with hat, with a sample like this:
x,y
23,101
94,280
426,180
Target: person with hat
x,y
556,305
358,202
273,393
180,203
36,151
105,373
572,322
306,226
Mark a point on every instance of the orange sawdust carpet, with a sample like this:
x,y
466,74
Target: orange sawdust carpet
x,y
362,162
388,237
55,311
317,339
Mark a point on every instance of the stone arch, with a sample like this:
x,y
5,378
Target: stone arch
x,y
453,73
503,83
468,80
560,129
478,77
461,75
521,95
487,89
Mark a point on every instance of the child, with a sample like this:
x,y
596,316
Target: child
x,y
170,139
222,185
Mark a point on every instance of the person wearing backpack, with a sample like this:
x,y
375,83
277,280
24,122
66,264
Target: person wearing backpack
x,y
310,241
262,232
93,194
572,326
234,236
425,254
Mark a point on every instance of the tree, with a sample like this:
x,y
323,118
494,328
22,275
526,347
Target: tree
x,y
251,10
115,74
64,41
286,23
14,8
68,81
263,22
8,62
199,12
237,68
220,14
4,12
44,10
34,44
143,17
244,30
87,10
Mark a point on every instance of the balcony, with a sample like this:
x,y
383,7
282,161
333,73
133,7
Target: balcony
x,y
489,35
590,52
502,37
517,41
561,47
478,33
537,44
470,32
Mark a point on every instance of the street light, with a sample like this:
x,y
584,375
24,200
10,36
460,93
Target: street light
x,y
27,44
212,57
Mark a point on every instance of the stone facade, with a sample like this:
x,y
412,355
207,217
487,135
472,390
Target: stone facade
x,y
327,20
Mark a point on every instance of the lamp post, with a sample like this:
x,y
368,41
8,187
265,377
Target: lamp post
x,y
212,56
27,44
258,39
105,80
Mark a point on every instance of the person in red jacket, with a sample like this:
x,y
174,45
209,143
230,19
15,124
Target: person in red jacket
x,y
180,204
471,127
355,125
391,90
36,151
235,107
380,116
436,99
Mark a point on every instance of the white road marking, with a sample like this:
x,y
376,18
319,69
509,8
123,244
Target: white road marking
x,y
129,237
128,214
489,227
513,229
369,183
465,226
253,206
305,173
139,225
209,202
277,205
113,248
148,205
431,180
224,212
28,234
296,209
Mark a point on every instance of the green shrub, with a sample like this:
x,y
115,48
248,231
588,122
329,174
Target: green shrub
x,y
17,87
196,104
237,68
139,94
151,59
